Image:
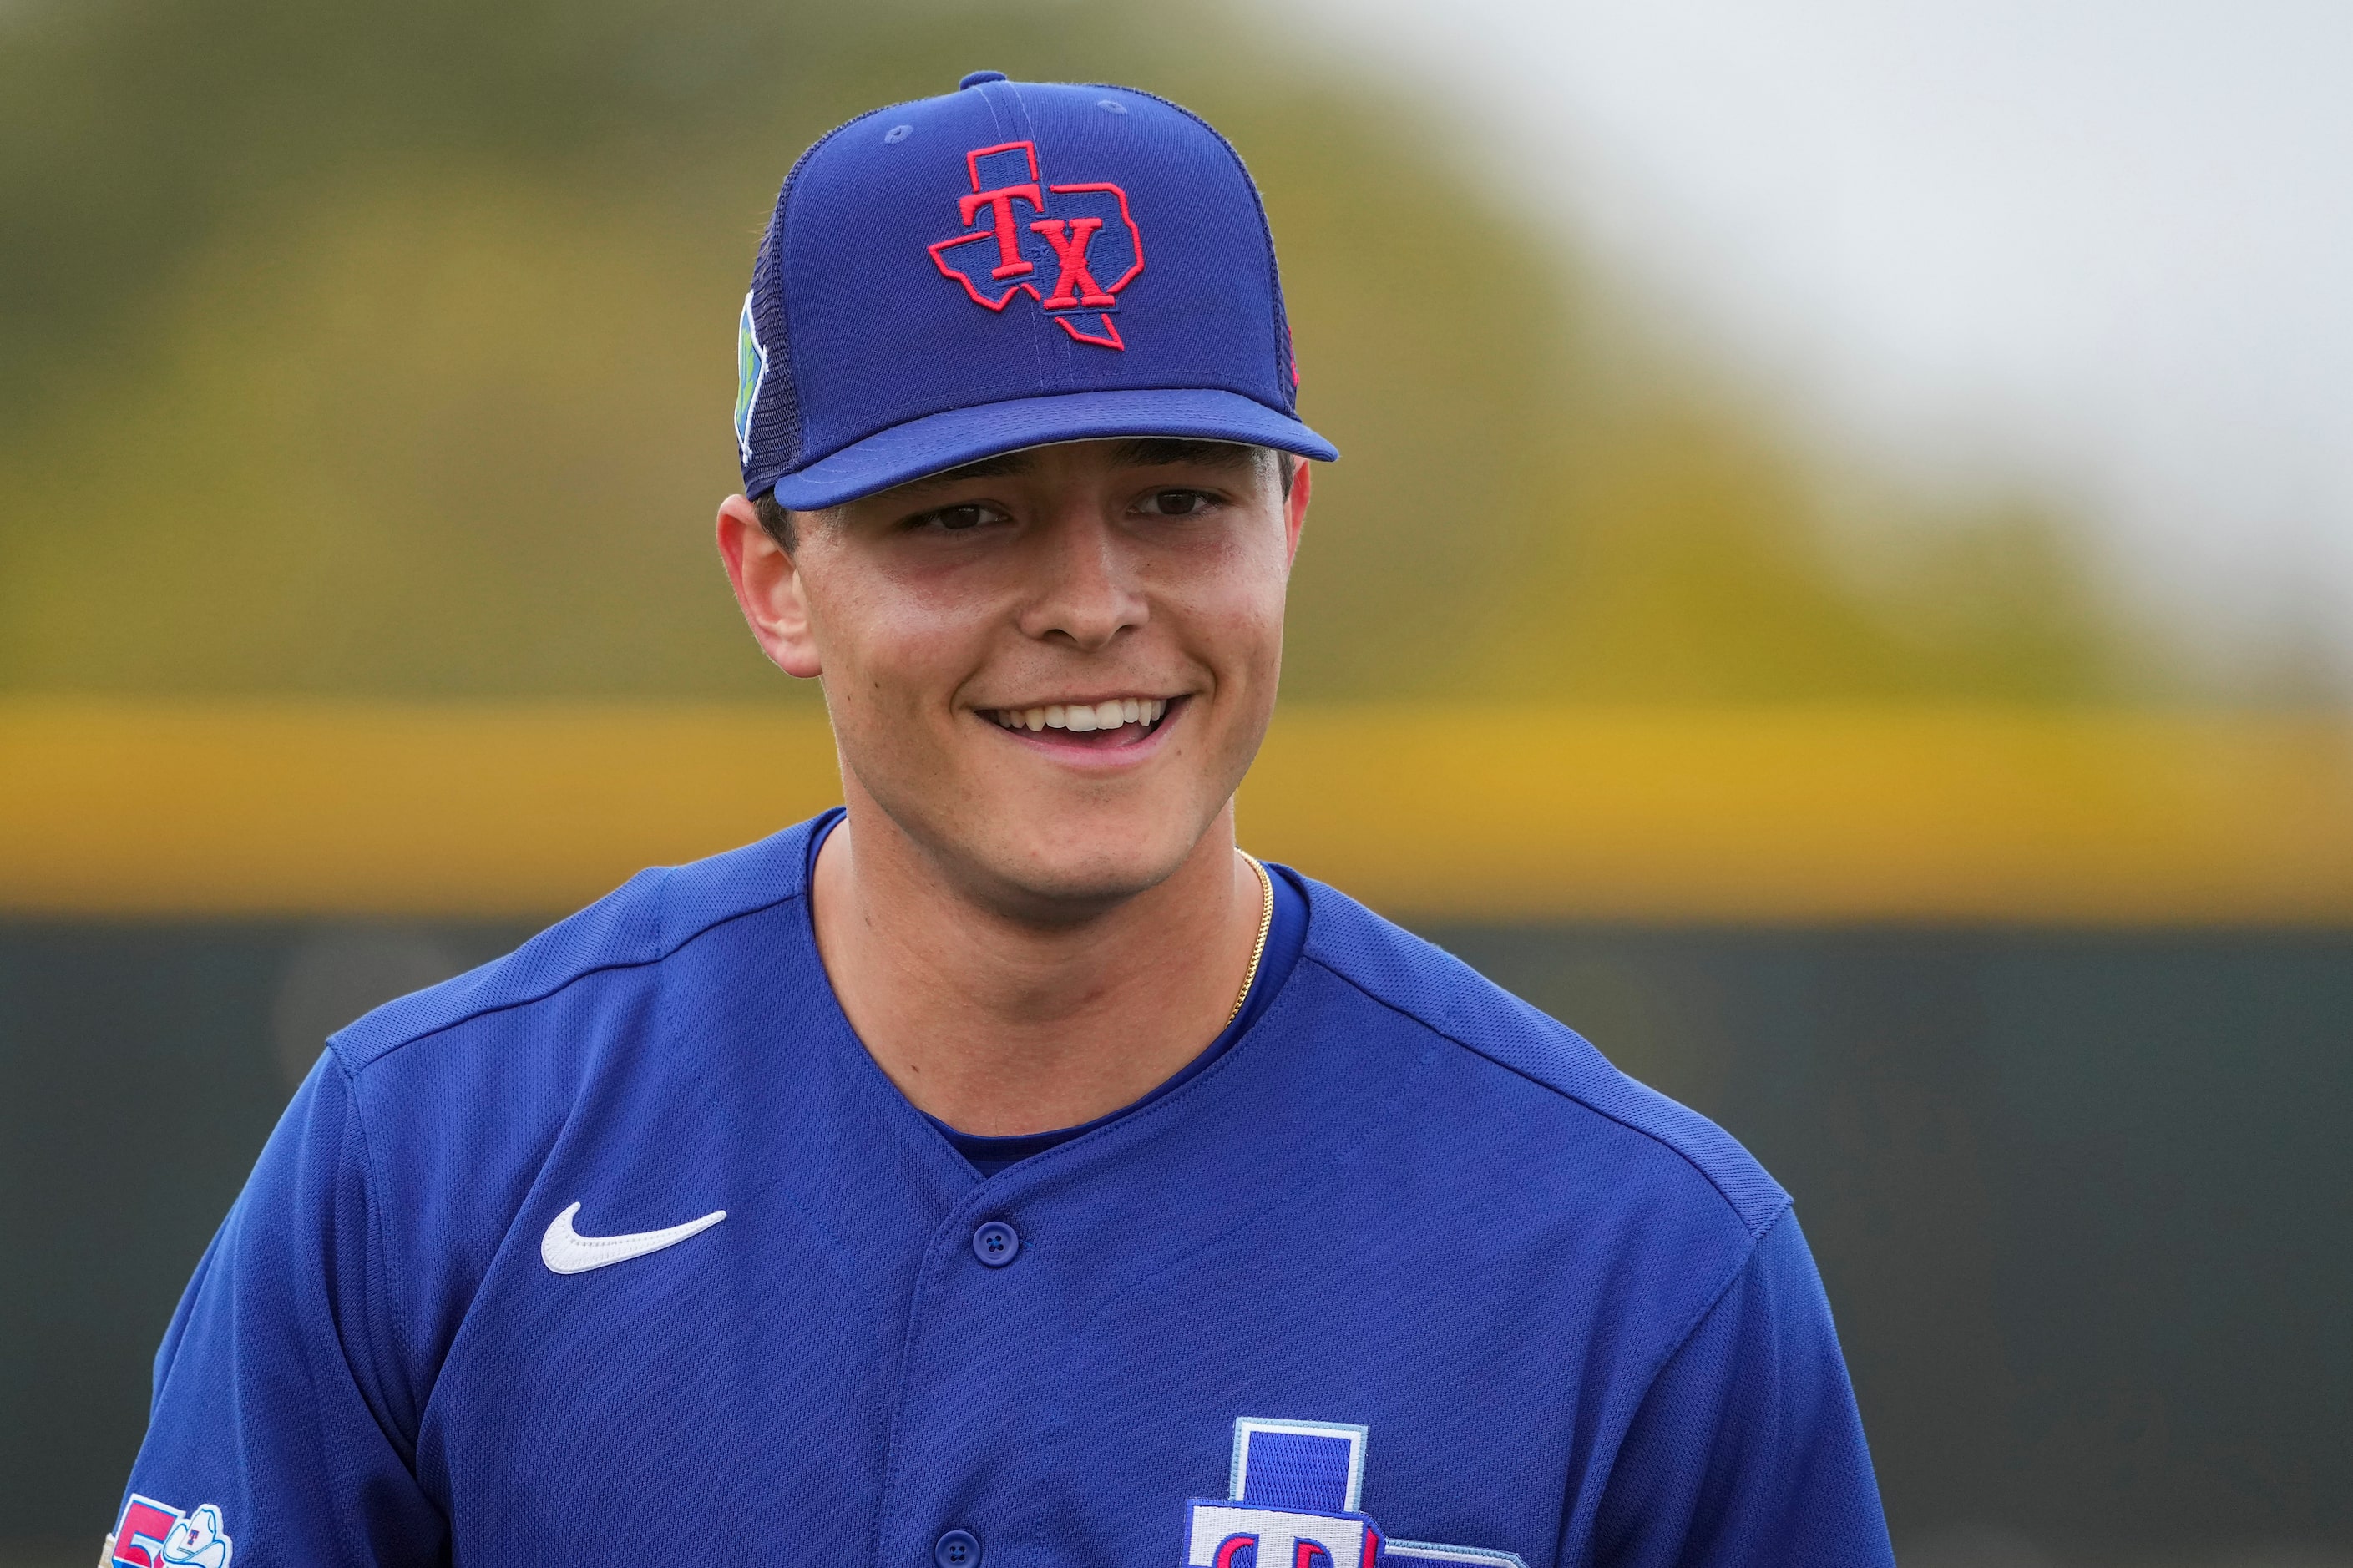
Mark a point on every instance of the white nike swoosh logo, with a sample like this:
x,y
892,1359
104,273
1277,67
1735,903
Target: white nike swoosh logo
x,y
567,1251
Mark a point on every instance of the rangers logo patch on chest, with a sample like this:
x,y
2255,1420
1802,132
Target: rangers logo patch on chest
x,y
1292,1504
1070,247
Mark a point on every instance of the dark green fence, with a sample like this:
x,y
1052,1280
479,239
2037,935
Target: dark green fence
x,y
2084,1201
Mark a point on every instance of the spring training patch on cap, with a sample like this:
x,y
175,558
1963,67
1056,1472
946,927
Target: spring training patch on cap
x,y
751,370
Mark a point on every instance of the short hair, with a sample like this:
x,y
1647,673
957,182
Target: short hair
x,y
776,521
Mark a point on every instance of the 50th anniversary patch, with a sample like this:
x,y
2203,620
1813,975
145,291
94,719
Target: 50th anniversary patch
x,y
152,1534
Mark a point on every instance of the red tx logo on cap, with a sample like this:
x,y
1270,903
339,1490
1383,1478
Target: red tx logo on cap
x,y
1083,234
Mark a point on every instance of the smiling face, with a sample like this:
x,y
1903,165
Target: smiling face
x,y
1049,670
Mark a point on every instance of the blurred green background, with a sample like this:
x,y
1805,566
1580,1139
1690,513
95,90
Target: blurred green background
x,y
385,352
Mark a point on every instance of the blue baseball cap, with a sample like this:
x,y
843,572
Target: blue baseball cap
x,y
1008,265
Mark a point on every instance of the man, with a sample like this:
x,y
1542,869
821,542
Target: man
x,y
1006,1168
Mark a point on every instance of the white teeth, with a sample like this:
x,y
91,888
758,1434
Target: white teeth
x,y
1082,718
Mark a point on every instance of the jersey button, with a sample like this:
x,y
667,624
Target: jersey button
x,y
995,1244
956,1549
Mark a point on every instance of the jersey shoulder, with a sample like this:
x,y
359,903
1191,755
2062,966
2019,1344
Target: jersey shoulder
x,y
636,925
1427,984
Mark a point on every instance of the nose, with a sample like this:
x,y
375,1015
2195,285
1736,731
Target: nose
x,y
1085,588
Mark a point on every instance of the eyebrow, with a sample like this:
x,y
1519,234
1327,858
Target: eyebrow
x,y
1134,452
1161,451
984,468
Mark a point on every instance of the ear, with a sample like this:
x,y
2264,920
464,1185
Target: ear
x,y
1295,509
768,589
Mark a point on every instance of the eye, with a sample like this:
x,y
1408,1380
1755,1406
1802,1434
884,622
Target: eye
x,y
1177,503
958,519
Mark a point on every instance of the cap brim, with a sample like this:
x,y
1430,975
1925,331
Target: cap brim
x,y
961,435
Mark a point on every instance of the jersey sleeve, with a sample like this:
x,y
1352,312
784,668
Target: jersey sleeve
x,y
282,1430
1748,1447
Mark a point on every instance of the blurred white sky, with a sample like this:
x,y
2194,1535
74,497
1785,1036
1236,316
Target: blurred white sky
x,y
2107,244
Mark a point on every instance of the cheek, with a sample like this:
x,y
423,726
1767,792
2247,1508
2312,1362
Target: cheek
x,y
1237,575
896,647
1234,619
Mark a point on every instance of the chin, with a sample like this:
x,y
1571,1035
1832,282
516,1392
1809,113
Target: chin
x,y
1044,846
1089,859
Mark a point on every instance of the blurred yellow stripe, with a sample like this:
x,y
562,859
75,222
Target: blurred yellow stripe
x,y
1789,816
1745,815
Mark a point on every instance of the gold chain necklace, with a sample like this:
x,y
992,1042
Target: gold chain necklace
x,y
1265,924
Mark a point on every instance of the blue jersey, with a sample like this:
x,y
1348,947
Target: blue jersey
x,y
621,1250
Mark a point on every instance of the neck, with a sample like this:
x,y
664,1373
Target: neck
x,y
1000,1026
